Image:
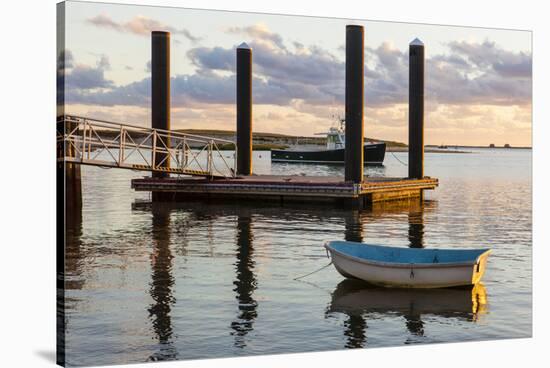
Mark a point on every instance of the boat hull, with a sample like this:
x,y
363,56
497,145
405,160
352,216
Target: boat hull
x,y
412,275
373,155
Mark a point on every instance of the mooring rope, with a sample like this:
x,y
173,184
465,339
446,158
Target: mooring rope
x,y
398,158
311,273
316,286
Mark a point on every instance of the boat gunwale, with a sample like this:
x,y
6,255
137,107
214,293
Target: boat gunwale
x,y
380,163
406,265
366,145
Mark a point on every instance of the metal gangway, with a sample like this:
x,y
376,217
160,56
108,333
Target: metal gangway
x,y
102,143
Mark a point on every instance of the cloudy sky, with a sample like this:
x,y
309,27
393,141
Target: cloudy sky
x,y
478,81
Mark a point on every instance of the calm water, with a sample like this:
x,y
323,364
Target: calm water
x,y
149,283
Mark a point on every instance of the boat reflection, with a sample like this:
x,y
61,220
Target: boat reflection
x,y
162,283
245,282
357,300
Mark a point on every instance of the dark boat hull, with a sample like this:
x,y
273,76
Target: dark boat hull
x,y
374,155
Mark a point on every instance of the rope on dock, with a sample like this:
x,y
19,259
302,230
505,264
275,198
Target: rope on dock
x,y
311,273
398,158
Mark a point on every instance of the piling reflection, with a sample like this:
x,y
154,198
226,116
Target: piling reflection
x,y
357,300
414,324
355,331
73,248
245,282
416,240
353,227
69,257
414,209
353,298
162,283
416,227
354,327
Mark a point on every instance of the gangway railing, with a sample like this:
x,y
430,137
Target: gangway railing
x,y
102,143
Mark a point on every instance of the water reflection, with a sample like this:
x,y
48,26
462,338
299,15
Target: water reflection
x,y
354,327
162,283
355,221
68,264
73,248
353,226
111,257
281,168
416,227
352,298
245,282
354,330
357,300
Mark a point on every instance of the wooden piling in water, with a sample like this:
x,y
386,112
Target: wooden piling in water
x,y
160,93
354,103
68,186
244,109
416,109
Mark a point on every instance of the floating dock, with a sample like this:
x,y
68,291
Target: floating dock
x,y
318,189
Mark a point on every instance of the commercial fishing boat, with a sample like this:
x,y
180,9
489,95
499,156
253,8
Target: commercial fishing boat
x,y
334,153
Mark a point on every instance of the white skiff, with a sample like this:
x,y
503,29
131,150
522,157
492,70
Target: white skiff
x,y
408,267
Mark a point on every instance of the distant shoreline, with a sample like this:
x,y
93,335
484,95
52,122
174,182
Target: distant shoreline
x,y
495,147
269,141
389,148
427,149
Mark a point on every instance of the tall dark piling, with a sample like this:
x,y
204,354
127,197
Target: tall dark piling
x,y
160,94
416,109
68,186
244,109
354,103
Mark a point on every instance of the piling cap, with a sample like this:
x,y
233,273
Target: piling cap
x,y
417,42
243,45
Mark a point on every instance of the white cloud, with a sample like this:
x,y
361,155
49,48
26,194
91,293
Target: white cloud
x,y
140,25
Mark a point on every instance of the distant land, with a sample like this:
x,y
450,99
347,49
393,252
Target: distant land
x,y
506,146
267,141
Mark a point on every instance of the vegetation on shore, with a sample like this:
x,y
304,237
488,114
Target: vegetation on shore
x,y
276,141
255,147
268,141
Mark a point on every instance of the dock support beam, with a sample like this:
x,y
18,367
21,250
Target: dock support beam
x,y
416,109
354,103
244,110
160,93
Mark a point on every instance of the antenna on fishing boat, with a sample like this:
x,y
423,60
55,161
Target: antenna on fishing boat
x,y
341,121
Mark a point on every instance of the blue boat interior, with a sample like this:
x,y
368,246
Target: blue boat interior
x,y
405,255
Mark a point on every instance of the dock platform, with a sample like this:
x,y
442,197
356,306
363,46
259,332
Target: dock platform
x,y
292,188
